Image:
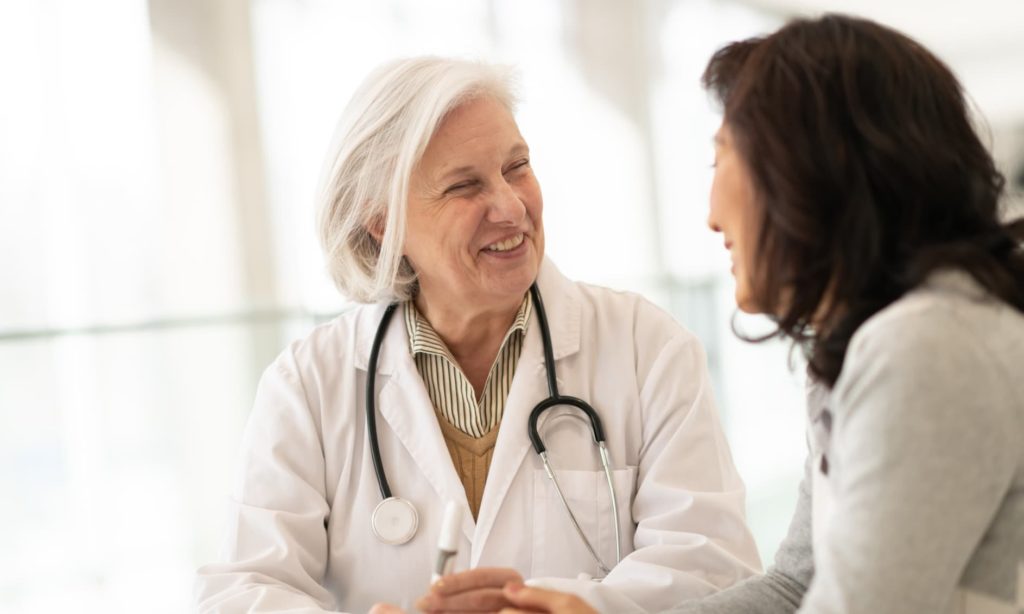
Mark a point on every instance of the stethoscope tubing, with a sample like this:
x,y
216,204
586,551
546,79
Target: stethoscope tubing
x,y
554,399
371,403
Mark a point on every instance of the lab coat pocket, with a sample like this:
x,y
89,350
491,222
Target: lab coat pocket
x,y
558,550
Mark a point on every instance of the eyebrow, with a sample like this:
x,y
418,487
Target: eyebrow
x,y
519,147
456,172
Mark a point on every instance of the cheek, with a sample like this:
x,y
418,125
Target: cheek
x,y
535,205
715,201
528,191
536,208
749,228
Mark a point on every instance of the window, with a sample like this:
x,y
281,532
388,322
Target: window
x,y
157,171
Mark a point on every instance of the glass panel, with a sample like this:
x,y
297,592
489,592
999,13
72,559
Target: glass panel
x,y
121,449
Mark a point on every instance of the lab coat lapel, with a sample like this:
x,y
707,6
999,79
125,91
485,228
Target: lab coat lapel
x,y
407,411
529,387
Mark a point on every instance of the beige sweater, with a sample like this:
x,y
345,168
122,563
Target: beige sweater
x,y
471,457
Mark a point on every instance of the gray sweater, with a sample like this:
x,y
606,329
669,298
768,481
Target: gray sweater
x,y
925,456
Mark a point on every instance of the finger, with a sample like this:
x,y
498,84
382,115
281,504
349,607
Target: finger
x,y
545,601
514,610
479,600
481,577
385,608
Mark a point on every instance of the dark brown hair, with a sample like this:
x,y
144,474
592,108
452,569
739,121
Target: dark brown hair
x,y
868,174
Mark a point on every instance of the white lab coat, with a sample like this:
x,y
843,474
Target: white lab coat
x,y
299,536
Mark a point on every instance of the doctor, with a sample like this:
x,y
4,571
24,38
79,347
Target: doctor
x,y
431,205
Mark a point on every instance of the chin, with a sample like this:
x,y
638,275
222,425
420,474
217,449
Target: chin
x,y
745,302
747,307
524,273
518,285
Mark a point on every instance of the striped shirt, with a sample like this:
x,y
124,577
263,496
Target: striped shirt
x,y
448,387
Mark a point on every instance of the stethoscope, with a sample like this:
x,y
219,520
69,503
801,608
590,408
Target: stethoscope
x,y
395,520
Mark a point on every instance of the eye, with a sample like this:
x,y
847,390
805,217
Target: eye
x,y
518,164
460,186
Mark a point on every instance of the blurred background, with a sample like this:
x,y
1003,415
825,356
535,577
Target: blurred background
x,y
158,162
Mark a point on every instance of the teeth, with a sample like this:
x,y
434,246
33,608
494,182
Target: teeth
x,y
507,244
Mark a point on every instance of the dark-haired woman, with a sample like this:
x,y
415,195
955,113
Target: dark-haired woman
x,y
862,214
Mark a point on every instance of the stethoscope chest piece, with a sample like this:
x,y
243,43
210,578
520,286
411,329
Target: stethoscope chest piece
x,y
394,521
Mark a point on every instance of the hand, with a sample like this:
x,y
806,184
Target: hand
x,y
385,608
525,599
476,590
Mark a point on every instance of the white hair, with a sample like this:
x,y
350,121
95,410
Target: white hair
x,y
381,136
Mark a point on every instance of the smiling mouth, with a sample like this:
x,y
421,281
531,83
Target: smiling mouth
x,y
507,245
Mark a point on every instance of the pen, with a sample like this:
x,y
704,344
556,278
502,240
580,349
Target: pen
x,y
448,541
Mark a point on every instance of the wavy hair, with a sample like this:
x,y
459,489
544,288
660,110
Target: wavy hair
x,y
381,136
868,177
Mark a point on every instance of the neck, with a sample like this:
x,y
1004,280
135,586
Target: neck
x,y
470,330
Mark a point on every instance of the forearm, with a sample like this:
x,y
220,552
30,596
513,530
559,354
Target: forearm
x,y
781,590
672,566
275,554
259,576
231,593
772,593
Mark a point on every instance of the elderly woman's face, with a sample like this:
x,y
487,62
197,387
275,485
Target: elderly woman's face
x,y
474,218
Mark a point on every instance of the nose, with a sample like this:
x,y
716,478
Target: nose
x,y
712,224
506,206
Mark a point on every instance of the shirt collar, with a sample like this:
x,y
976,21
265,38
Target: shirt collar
x,y
424,339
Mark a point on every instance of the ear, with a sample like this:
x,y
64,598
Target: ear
x,y
375,226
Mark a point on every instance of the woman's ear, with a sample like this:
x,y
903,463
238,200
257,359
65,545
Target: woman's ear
x,y
375,226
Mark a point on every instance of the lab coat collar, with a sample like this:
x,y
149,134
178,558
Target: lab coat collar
x,y
405,406
406,409
402,390
396,340
562,303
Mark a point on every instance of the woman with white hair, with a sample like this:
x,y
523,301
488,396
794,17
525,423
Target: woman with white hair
x,y
365,431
